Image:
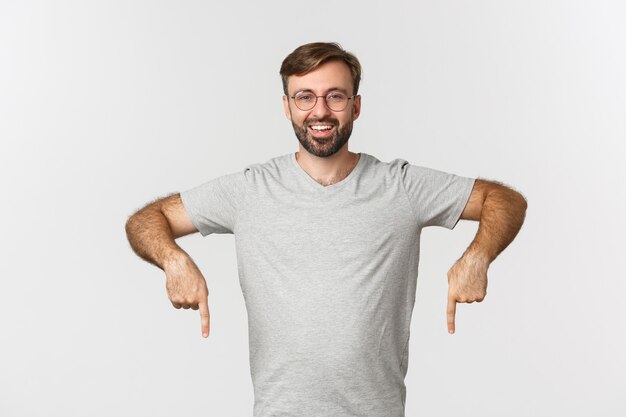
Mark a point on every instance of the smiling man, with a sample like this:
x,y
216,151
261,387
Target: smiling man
x,y
327,245
321,129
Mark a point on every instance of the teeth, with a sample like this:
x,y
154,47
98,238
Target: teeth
x,y
321,127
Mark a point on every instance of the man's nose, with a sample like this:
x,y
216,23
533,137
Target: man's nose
x,y
320,109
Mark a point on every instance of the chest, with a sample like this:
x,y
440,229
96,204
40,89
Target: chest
x,y
326,233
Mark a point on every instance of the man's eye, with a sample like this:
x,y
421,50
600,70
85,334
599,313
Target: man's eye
x,y
304,97
336,97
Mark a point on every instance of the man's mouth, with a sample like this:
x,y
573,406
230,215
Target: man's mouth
x,y
321,129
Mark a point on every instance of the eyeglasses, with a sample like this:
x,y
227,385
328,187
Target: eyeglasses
x,y
335,100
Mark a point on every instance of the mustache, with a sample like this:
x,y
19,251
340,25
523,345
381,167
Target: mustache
x,y
333,122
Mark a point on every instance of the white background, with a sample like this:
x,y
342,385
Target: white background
x,y
105,106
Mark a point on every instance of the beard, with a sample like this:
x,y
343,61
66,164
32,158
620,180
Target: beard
x,y
322,147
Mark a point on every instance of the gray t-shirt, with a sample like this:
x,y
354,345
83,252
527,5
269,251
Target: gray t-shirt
x,y
328,275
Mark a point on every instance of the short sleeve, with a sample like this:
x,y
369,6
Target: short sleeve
x,y
213,206
437,198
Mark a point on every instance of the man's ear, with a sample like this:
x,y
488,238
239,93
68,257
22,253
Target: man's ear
x,y
286,107
356,109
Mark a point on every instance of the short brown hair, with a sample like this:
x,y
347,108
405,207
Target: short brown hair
x,y
307,58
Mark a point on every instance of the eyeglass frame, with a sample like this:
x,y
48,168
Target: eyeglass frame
x,y
325,101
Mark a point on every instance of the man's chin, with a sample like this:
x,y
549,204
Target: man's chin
x,y
329,139
321,146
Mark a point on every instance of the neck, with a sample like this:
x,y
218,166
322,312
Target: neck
x,y
328,170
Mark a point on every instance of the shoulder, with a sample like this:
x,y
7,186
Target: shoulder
x,y
378,167
272,167
401,168
397,165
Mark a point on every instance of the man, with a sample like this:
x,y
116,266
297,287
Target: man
x,y
327,245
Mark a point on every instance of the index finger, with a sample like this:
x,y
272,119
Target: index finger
x,y
451,313
203,306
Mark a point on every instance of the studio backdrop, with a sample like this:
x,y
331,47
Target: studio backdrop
x,y
106,106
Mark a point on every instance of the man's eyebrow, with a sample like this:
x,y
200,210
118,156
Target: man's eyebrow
x,y
343,90
308,90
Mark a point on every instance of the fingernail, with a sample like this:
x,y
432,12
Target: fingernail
x,y
205,334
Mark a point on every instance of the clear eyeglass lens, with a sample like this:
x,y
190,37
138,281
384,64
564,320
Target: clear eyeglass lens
x,y
337,101
305,101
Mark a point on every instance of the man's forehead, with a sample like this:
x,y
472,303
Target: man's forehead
x,y
328,76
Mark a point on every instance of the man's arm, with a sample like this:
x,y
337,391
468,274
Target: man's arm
x,y
151,233
152,230
500,212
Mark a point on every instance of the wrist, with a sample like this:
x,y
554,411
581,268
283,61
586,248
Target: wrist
x,y
173,257
477,258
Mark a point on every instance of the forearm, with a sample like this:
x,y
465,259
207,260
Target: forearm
x,y
501,218
150,236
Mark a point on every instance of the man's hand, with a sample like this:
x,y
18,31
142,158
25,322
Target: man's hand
x,y
467,282
186,287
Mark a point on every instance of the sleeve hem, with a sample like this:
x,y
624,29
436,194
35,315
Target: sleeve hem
x,y
467,192
192,215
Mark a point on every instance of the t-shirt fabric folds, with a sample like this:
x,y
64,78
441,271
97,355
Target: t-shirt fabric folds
x,y
328,275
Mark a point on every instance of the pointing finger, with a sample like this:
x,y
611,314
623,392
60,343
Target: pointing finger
x,y
204,317
451,313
